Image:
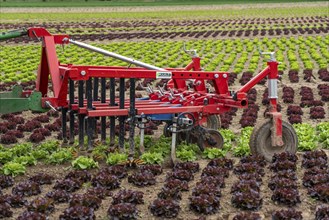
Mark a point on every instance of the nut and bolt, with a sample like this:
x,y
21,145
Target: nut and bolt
x,y
83,73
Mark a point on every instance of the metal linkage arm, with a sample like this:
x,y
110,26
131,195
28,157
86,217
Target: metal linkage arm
x,y
114,55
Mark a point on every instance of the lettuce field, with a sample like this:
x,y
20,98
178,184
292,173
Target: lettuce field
x,y
43,178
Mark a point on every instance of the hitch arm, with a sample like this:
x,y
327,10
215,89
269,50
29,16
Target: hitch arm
x,y
13,34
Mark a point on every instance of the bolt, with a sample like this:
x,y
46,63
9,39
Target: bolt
x,y
225,75
216,76
217,109
83,73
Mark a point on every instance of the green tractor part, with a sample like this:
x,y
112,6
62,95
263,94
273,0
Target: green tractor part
x,y
13,34
14,101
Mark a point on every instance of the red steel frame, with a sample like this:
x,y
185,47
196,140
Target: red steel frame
x,y
220,101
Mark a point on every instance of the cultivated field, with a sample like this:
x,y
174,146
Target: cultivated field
x,y
214,184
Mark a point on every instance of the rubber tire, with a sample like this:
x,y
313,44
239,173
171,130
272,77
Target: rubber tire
x,y
216,135
260,139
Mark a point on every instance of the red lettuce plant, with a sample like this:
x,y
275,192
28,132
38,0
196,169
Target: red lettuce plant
x,y
27,188
59,196
42,178
190,166
32,215
287,214
176,184
247,216
153,168
87,200
99,191
204,204
145,178
183,175
108,181
123,211
69,185
166,208
6,181
286,196
43,205
78,212
128,196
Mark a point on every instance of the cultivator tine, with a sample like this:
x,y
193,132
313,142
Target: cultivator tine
x,y
95,98
81,117
142,132
64,117
122,118
90,121
95,88
132,114
173,140
71,112
112,118
103,119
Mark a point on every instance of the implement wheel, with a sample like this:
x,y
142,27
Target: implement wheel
x,y
260,140
212,122
211,139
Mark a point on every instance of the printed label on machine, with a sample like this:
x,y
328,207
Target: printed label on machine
x,y
163,75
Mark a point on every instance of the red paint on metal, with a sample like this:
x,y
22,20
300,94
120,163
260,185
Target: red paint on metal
x,y
254,80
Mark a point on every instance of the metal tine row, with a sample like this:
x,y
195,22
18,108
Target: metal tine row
x,y
88,125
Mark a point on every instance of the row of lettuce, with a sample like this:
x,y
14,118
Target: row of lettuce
x,y
14,160
20,62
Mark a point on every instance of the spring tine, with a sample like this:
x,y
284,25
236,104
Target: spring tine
x,y
90,120
95,98
122,118
112,119
71,101
96,86
103,119
81,116
64,116
132,117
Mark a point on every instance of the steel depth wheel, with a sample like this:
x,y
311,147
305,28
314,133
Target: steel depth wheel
x,y
260,140
211,139
212,122
166,131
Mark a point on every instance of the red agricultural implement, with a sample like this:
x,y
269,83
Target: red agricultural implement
x,y
190,112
